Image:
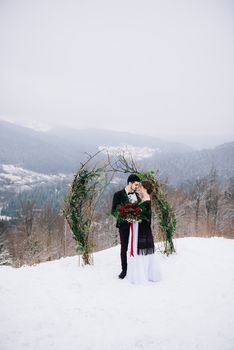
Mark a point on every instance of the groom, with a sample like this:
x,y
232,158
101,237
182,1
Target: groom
x,y
121,197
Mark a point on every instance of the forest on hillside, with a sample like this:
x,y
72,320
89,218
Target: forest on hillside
x,y
35,231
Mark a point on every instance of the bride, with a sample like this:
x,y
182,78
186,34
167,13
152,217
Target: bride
x,y
143,265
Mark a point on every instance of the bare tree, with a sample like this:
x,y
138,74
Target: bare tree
x,y
212,198
198,195
27,214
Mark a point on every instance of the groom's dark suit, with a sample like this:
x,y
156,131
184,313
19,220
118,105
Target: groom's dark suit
x,y
121,197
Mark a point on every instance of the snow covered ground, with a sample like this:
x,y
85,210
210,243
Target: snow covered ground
x,y
58,305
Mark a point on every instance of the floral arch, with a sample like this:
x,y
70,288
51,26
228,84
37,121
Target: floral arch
x,y
91,180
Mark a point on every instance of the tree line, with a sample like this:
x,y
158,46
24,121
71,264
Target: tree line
x,y
37,232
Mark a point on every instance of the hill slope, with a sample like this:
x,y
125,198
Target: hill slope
x,y
60,151
58,305
178,168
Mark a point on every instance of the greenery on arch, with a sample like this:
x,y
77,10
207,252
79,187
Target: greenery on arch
x,y
164,213
90,182
79,209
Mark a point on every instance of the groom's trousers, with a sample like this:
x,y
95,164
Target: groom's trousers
x,y
124,238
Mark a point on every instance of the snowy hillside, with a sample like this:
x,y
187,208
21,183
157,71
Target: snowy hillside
x,y
60,306
130,151
13,178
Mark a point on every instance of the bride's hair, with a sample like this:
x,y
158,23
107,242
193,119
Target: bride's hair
x,y
148,186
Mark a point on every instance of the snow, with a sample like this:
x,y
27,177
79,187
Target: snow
x,y
19,179
14,173
129,151
60,305
5,218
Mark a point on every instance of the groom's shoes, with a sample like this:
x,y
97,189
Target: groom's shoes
x,y
122,274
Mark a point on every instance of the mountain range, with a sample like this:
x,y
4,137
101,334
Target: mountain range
x,y
61,151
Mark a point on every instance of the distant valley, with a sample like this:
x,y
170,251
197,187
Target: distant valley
x,y
36,170
60,151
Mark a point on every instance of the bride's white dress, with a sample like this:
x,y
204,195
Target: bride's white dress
x,y
142,268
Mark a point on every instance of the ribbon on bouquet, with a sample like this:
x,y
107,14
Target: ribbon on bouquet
x,y
132,239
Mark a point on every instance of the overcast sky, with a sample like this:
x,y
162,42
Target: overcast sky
x,y
162,68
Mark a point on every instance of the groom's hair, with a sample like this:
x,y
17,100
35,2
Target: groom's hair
x,y
133,178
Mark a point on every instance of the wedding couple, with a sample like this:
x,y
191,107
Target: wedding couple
x,y
139,261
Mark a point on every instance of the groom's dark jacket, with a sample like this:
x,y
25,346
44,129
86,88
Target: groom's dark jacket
x,y
120,197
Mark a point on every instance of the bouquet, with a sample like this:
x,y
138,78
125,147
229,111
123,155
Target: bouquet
x,y
130,212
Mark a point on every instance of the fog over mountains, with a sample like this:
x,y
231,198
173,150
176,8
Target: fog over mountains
x,y
61,151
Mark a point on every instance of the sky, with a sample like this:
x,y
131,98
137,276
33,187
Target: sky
x,y
160,68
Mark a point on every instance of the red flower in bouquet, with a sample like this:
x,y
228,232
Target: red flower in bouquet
x,y
129,212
